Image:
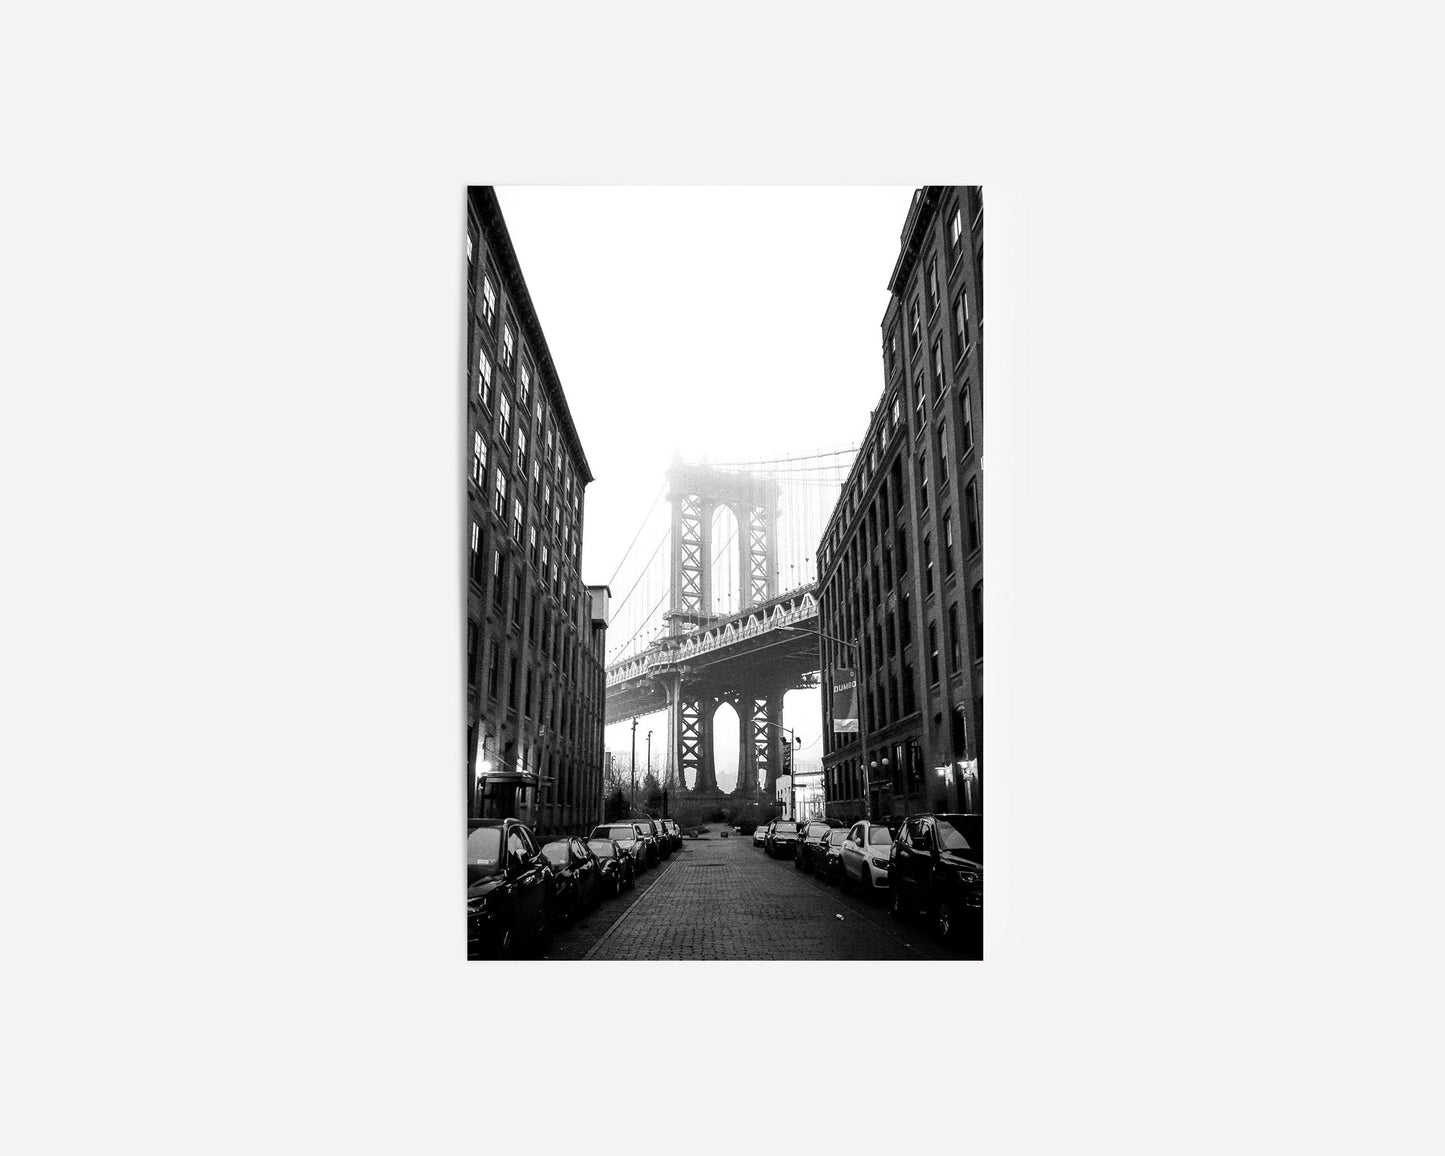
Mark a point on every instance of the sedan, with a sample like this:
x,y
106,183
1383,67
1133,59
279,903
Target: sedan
x,y
938,869
813,843
832,866
630,839
577,875
865,856
509,888
760,835
615,864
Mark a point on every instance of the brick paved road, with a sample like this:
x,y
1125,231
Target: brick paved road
x,y
724,899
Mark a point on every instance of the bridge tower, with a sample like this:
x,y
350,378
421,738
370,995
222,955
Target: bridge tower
x,y
696,492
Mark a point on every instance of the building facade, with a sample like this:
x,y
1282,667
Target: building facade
x,y
901,562
536,635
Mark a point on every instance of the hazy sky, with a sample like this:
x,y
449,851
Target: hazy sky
x,y
719,323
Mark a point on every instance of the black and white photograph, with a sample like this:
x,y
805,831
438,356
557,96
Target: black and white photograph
x,y
724,621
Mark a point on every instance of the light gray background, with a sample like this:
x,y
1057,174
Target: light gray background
x,y
231,457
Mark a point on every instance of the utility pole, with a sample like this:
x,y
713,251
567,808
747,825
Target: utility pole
x,y
633,804
649,754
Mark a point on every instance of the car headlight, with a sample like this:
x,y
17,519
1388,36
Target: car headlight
x,y
881,864
478,905
967,877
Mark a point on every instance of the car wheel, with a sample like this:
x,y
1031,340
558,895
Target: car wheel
x,y
943,921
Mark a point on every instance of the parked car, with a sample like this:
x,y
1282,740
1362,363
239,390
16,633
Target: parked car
x,y
673,833
865,856
614,864
832,866
624,832
938,869
760,834
813,843
509,888
577,876
648,833
782,838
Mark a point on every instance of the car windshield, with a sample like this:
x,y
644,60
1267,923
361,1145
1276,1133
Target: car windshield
x,y
624,834
879,837
786,829
836,837
556,852
484,846
961,833
602,848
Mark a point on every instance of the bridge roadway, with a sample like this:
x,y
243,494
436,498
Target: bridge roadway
x,y
724,899
767,644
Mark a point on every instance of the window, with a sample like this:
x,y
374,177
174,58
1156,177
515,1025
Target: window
x,y
923,481
512,683
489,302
900,538
506,415
469,248
497,592
955,230
493,669
953,648
508,346
544,558
970,502
977,620
524,392
517,518
964,393
932,285
962,327
522,452
948,542
475,569
943,453
914,326
938,368
927,564
499,495
479,460
484,378
891,350
517,602
918,394
897,411
532,544
933,653
905,621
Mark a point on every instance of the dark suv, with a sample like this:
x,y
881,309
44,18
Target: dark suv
x,y
782,839
509,887
937,868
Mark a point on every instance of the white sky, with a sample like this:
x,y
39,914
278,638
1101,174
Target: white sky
x,y
720,323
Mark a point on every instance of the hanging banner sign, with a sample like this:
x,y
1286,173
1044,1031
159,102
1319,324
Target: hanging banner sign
x,y
845,702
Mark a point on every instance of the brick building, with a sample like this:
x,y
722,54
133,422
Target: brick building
x,y
901,562
535,634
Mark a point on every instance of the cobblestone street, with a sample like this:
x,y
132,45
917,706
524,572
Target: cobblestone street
x,y
725,899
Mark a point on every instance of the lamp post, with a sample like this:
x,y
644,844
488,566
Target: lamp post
x,y
649,757
632,803
852,648
793,741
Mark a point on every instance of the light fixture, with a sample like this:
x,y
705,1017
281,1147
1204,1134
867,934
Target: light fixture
x,y
484,768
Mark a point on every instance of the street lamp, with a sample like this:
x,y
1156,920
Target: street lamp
x,y
794,741
649,756
852,648
632,805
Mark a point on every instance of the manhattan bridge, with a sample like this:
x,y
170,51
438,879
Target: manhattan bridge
x,y
719,605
